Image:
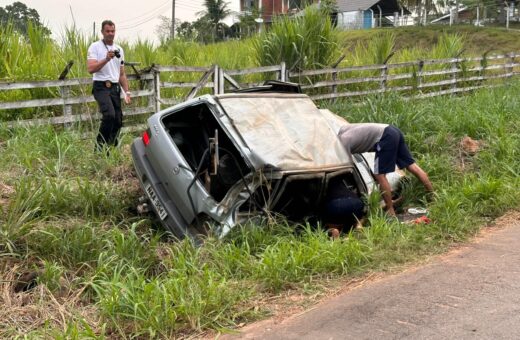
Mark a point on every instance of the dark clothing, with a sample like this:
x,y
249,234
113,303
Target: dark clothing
x,y
391,150
342,205
386,140
109,101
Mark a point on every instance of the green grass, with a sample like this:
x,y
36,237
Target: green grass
x,y
112,273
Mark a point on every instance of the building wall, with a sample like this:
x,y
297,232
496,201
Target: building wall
x,y
355,20
271,8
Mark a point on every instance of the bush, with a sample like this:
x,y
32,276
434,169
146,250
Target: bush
x,y
306,42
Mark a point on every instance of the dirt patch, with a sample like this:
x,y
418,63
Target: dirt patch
x,y
6,192
121,173
26,311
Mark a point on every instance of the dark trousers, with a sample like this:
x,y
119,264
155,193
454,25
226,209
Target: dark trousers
x,y
109,101
345,210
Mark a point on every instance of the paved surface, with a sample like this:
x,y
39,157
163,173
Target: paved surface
x,y
471,293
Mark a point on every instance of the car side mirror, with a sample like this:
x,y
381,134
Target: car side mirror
x,y
213,154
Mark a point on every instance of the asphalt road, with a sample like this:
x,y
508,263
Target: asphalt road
x,y
470,293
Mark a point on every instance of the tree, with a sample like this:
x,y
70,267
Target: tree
x,y
186,31
163,29
247,25
215,12
204,29
19,14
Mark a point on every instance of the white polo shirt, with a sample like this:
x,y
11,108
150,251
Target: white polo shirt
x,y
111,71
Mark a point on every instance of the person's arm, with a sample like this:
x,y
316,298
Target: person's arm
x,y
123,80
386,191
94,65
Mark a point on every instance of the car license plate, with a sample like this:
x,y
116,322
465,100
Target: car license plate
x,y
155,201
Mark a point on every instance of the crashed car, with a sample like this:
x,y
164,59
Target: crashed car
x,y
217,161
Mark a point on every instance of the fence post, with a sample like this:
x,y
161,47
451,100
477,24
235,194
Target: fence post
x,y
215,79
510,64
454,71
65,93
221,85
283,71
384,72
335,76
419,74
156,88
67,108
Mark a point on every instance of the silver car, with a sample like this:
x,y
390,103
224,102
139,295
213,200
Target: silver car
x,y
217,161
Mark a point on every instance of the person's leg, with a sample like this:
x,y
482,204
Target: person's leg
x,y
102,96
421,176
118,117
386,192
405,161
385,161
343,212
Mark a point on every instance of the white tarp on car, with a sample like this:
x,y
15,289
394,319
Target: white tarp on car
x,y
286,131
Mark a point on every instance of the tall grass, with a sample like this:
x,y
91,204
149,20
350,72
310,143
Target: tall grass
x,y
305,42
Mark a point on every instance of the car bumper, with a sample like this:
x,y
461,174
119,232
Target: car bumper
x,y
171,218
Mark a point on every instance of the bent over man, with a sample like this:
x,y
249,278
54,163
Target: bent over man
x,y
390,147
105,61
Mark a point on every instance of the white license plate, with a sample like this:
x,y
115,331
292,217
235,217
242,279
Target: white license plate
x,y
155,201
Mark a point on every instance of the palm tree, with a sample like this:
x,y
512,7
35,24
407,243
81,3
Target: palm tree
x,y
215,12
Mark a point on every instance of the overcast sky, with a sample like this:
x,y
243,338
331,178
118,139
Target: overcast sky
x,y
133,18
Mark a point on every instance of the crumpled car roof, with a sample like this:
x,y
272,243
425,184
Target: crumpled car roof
x,y
284,131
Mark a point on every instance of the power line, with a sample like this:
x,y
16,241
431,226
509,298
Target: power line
x,y
146,13
142,21
138,24
172,28
188,6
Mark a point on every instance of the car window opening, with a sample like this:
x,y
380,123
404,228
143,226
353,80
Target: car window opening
x,y
191,130
306,198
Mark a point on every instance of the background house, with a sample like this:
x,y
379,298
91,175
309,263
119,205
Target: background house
x,y
352,14
270,8
357,14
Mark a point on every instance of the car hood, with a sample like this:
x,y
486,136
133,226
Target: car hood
x,y
284,131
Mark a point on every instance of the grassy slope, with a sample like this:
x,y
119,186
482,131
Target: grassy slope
x,y
106,271
477,41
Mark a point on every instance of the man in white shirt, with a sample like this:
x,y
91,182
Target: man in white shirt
x,y
105,61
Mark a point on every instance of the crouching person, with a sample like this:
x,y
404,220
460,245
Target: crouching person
x,y
342,209
390,149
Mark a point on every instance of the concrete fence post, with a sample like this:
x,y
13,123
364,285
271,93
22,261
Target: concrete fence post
x,y
156,83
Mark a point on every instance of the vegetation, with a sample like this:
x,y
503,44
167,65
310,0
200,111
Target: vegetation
x,y
305,42
105,271
19,15
67,217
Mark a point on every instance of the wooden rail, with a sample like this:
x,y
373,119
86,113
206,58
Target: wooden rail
x,y
158,86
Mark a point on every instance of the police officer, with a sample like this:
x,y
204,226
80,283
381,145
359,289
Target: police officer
x,y
105,61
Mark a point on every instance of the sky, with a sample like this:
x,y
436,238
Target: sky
x,y
133,18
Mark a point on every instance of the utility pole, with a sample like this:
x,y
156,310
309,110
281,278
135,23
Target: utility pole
x,y
172,29
507,14
94,29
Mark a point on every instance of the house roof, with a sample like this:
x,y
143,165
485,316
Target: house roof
x,y
387,6
447,16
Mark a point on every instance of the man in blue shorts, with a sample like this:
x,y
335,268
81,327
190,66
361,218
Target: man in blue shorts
x,y
388,143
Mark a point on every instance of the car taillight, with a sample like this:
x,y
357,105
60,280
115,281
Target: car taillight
x,y
146,138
